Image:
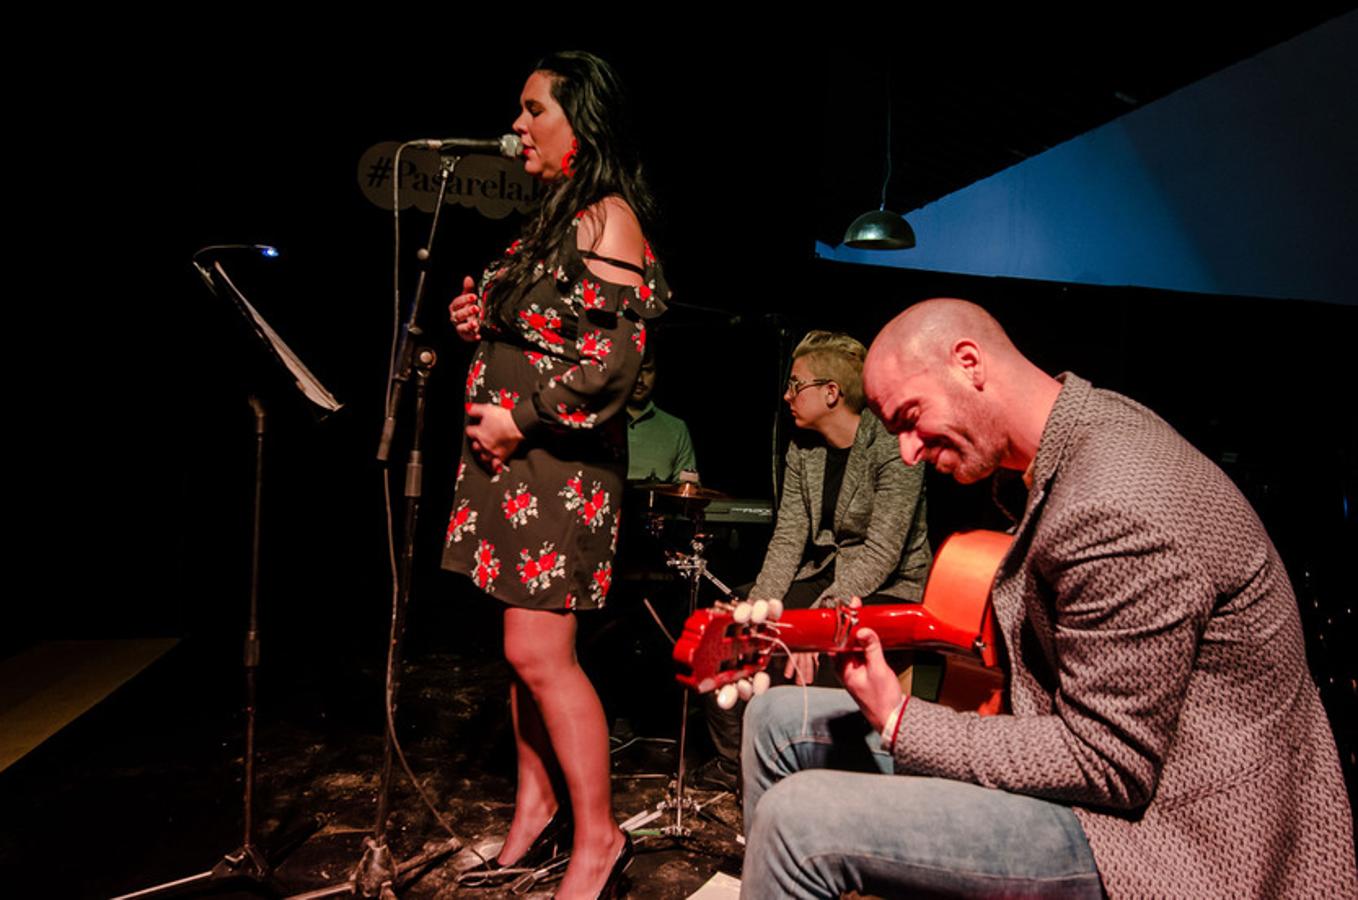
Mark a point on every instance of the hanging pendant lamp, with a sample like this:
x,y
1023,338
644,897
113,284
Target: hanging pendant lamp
x,y
881,229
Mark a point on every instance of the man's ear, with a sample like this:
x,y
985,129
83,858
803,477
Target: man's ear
x,y
967,356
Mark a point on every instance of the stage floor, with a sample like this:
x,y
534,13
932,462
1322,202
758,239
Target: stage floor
x,y
145,786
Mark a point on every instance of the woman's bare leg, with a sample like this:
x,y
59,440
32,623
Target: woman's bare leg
x,y
540,645
535,797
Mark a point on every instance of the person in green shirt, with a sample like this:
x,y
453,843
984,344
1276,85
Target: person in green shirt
x,y
658,444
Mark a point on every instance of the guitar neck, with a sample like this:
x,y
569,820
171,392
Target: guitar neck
x,y
909,625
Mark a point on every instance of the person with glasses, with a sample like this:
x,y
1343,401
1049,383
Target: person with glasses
x,y
851,522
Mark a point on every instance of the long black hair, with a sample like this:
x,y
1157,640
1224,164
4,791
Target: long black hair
x,y
605,163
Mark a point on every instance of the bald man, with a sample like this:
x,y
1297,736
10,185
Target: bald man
x,y
1165,737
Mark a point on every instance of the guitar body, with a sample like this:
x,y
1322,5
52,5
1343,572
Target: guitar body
x,y
955,617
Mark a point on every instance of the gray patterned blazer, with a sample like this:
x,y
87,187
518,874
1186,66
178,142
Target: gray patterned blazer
x,y
1158,677
880,543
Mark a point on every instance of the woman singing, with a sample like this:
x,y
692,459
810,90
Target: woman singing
x,y
561,326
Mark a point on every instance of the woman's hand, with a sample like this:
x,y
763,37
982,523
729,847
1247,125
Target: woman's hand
x,y
465,311
493,434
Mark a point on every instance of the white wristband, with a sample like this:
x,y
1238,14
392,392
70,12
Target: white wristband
x,y
893,725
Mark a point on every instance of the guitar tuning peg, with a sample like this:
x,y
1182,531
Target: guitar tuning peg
x,y
759,611
741,614
775,610
744,689
760,683
727,695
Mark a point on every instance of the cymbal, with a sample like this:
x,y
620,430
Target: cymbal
x,y
688,491
647,485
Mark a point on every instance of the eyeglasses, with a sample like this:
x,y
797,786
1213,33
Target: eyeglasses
x,y
795,385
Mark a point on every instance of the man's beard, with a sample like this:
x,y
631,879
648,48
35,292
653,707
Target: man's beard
x,y
982,452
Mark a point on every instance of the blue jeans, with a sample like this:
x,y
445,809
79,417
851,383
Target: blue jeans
x,y
822,832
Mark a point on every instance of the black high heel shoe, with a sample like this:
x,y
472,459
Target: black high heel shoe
x,y
625,855
554,837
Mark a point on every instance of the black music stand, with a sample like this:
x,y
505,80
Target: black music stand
x,y
250,865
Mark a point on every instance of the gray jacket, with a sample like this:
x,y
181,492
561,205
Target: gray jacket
x,y
1158,676
880,543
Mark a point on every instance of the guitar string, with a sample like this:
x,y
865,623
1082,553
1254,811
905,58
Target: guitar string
x,y
806,691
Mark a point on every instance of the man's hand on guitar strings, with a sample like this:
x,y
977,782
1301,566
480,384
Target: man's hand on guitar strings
x,y
867,677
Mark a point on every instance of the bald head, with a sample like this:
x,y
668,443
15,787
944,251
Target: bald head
x,y
949,359
925,335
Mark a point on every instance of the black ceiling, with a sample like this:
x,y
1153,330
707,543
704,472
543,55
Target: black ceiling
x,y
757,143
961,113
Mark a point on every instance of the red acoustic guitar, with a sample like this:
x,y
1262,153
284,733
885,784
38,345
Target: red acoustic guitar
x,y
729,645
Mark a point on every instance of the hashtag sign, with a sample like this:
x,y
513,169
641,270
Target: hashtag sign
x,y
493,186
379,172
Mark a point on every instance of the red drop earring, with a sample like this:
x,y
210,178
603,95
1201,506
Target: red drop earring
x,y
569,159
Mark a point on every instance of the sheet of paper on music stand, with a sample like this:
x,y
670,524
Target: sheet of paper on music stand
x,y
719,887
314,390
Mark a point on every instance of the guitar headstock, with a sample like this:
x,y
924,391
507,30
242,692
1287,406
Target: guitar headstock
x,y
728,646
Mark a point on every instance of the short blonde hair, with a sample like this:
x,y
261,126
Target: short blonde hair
x,y
838,357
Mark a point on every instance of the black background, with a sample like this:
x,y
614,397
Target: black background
x,y
133,452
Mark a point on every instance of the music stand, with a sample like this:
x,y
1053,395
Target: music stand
x,y
249,862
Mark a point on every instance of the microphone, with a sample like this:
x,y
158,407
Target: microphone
x,y
507,145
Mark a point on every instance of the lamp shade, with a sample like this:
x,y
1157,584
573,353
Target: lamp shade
x,y
880,229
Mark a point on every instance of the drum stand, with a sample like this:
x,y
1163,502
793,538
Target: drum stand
x,y
693,567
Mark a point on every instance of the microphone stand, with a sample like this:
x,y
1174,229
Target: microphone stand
x,y
377,873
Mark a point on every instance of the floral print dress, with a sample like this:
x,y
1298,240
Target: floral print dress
x,y
563,355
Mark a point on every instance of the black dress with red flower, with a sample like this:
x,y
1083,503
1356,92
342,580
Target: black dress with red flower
x,y
563,354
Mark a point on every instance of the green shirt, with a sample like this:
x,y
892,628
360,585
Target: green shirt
x,y
658,446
